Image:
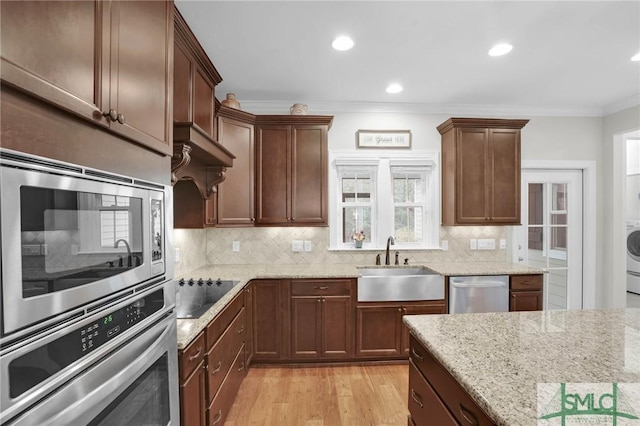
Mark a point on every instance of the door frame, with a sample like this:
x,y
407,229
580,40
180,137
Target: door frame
x,y
589,224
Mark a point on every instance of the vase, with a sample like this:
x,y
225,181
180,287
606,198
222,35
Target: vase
x,y
358,244
231,101
298,109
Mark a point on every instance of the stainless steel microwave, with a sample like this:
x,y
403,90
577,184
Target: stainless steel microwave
x,y
72,235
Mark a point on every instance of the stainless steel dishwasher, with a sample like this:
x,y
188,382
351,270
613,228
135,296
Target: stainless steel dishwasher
x,y
488,293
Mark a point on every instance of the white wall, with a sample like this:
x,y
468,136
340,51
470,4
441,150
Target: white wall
x,y
612,273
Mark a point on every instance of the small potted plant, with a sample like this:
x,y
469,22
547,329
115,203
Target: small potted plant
x,y
358,238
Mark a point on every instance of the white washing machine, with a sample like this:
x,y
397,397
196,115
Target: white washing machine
x,y
633,256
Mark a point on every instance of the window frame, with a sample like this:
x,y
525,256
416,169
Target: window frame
x,y
382,211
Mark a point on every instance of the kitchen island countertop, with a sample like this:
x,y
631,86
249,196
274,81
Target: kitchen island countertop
x,y
500,358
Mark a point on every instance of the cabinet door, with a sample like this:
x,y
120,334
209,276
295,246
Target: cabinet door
x,y
504,179
142,71
306,327
52,49
235,194
525,301
418,310
337,327
378,332
267,319
425,405
272,175
203,102
193,399
309,175
471,176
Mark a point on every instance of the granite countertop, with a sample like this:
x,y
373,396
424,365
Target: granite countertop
x,y
501,358
188,329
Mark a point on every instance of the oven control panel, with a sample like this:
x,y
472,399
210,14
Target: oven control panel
x,y
28,370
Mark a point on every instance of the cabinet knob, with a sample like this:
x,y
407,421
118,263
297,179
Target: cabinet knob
x,y
253,219
120,118
293,219
111,114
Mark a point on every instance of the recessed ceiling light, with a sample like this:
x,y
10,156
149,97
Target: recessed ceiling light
x,y
500,49
342,43
394,88
636,57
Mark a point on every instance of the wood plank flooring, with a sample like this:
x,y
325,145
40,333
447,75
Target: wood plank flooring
x,y
355,395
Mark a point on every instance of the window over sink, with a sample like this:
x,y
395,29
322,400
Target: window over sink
x,y
377,195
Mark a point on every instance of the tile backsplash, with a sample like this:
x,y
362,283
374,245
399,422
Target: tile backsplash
x,y
273,245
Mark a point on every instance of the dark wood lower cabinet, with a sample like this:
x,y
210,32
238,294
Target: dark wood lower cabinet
x,y
267,319
380,332
525,293
192,399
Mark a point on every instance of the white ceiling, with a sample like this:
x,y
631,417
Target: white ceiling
x,y
569,58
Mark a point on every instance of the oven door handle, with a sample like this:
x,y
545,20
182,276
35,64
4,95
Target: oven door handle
x,y
89,393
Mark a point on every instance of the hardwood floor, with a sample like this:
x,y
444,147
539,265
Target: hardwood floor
x,y
322,396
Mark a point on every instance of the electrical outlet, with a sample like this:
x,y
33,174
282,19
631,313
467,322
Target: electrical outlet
x,y
31,249
444,245
486,244
473,244
307,245
503,244
44,250
235,246
176,254
297,245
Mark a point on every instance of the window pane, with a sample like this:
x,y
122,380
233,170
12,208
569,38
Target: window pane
x,y
348,185
408,224
536,204
356,219
356,189
399,190
559,196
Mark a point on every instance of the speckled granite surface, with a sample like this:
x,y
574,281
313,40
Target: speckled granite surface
x,y
500,358
481,268
188,329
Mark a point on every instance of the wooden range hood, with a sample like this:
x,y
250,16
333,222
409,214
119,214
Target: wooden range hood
x,y
198,158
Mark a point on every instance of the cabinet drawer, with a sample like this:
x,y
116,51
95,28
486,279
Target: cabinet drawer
x,y
321,288
526,282
424,404
222,321
221,356
459,403
191,356
223,400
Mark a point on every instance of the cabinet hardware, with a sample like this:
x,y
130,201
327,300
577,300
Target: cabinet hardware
x,y
112,114
468,415
253,219
526,282
217,418
196,355
120,118
217,368
241,330
241,367
416,354
322,287
399,309
318,300
416,397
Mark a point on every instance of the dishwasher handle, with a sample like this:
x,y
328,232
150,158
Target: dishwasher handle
x,y
478,285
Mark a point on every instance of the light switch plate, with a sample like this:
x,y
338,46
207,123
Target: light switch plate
x,y
235,246
486,244
503,244
473,244
176,254
307,245
297,245
444,245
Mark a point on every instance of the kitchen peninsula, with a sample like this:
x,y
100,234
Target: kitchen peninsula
x,y
489,367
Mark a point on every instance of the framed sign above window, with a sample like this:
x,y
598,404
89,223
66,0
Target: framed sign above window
x,y
383,139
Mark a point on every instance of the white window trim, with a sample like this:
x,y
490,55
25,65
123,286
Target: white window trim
x,y
384,160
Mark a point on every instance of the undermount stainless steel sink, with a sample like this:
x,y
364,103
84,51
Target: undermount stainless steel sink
x,y
399,284
194,300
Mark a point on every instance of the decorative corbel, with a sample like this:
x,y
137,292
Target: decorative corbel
x,y
181,159
215,176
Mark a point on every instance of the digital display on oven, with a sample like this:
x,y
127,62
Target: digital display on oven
x,y
45,361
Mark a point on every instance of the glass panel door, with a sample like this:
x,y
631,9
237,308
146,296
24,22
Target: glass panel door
x,y
551,235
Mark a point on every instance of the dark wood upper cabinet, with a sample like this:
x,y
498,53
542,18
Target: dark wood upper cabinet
x,y
481,171
109,62
291,170
236,195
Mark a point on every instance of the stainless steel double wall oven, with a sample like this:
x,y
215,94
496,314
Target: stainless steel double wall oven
x,y
87,306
